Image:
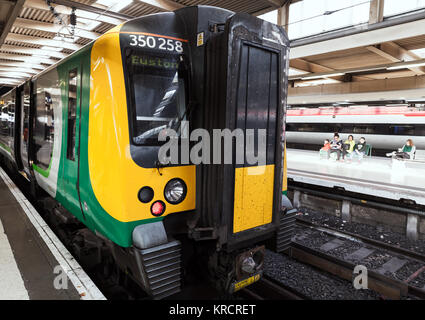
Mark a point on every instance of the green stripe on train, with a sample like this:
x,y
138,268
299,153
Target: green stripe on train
x,y
94,217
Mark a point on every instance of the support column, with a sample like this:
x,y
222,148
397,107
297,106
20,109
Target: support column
x,y
283,16
376,11
412,227
346,210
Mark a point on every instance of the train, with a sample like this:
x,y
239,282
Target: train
x,y
84,134
385,128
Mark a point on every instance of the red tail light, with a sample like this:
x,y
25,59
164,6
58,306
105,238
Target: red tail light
x,y
158,208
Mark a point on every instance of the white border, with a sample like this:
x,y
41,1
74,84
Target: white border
x,y
81,281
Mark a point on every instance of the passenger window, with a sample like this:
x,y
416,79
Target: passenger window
x,y
72,113
44,129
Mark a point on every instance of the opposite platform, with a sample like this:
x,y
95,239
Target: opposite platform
x,y
376,176
34,264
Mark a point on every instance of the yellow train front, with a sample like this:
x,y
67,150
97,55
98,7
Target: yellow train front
x,y
202,72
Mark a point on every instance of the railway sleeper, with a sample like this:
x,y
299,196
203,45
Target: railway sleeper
x,y
387,287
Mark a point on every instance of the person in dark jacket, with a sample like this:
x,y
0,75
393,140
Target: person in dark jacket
x,y
407,152
360,148
336,146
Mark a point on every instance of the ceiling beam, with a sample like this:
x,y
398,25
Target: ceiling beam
x,y
163,5
10,82
31,59
329,92
43,41
310,67
382,53
304,65
93,9
275,3
11,19
21,65
15,74
395,53
18,69
42,5
367,38
377,68
53,28
33,51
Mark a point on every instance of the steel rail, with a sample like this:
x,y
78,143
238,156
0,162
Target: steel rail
x,y
373,204
388,287
268,289
376,243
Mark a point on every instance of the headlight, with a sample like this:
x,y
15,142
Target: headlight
x,y
175,191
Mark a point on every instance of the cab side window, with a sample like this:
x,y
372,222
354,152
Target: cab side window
x,y
72,113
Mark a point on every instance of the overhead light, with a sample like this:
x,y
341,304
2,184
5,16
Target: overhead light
x,y
323,76
48,48
406,65
65,39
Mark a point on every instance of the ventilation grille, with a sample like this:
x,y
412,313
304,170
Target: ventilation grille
x,y
285,232
162,268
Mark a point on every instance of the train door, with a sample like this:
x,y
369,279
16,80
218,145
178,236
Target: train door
x,y
71,140
23,136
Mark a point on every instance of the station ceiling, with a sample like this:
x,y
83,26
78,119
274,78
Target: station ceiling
x,y
387,59
31,38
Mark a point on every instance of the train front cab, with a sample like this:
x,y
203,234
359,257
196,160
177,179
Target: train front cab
x,y
217,70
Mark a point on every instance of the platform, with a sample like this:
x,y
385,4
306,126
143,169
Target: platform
x,y
377,176
34,264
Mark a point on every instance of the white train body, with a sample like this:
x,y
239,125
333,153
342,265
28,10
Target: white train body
x,y
383,127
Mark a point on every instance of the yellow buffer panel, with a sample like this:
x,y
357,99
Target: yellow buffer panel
x,y
285,168
253,205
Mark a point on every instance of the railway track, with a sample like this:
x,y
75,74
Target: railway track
x,y
392,271
268,289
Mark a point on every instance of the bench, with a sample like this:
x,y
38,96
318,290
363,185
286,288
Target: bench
x,y
323,154
418,156
326,155
368,152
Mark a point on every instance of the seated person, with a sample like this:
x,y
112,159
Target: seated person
x,y
407,152
324,151
326,145
360,148
336,146
349,145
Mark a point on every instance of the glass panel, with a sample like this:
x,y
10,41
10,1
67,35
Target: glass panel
x,y
25,102
309,17
72,113
7,121
269,16
157,95
394,7
47,98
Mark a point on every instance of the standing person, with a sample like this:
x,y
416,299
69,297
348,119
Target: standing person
x,y
360,148
348,146
336,146
407,152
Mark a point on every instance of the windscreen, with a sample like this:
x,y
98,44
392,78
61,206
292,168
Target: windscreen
x,y
157,93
